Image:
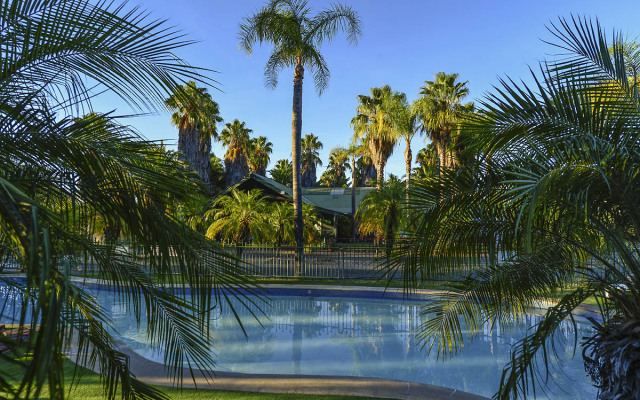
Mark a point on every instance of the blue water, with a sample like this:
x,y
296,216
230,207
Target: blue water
x,y
361,337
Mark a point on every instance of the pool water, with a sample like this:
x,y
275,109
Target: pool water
x,y
363,337
350,336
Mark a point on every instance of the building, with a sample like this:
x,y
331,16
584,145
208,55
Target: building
x,y
330,202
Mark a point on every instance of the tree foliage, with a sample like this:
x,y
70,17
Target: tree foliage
x,y
281,217
259,150
440,111
240,217
554,186
376,124
60,173
428,162
196,116
310,159
235,137
296,37
335,175
381,212
283,172
194,108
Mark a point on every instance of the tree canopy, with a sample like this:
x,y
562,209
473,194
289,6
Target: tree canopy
x,y
61,173
550,204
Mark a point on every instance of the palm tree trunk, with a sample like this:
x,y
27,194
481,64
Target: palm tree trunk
x,y
236,169
408,156
353,197
380,171
195,151
446,144
204,161
309,176
296,137
441,149
389,235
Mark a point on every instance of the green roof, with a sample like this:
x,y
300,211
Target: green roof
x,y
335,199
326,200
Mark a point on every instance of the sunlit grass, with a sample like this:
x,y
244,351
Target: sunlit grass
x,y
90,388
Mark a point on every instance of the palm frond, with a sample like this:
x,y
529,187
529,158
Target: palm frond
x,y
549,201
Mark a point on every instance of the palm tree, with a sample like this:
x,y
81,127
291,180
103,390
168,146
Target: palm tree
x,y
310,159
331,179
260,148
554,186
440,110
366,173
312,223
281,216
195,115
240,217
380,212
283,172
427,159
60,172
407,129
376,124
235,137
335,175
356,149
297,37
218,176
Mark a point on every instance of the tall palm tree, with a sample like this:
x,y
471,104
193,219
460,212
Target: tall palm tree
x,y
440,110
60,172
297,37
356,149
283,172
555,187
310,159
260,148
376,124
407,129
195,115
235,137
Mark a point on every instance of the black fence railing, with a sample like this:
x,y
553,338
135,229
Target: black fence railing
x,y
326,262
356,261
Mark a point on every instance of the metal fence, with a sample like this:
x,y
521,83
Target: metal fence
x,y
327,262
336,262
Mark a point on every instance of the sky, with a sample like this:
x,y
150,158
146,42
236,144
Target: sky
x,y
403,43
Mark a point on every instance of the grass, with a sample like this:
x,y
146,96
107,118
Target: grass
x,y
90,388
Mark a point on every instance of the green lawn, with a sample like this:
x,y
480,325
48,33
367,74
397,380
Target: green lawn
x,y
90,388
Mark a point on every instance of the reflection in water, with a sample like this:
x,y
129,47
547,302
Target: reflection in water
x,y
358,337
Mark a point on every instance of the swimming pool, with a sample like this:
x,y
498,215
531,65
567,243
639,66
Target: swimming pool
x,y
361,336
307,333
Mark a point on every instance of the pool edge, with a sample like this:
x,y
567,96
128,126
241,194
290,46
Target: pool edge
x,y
155,373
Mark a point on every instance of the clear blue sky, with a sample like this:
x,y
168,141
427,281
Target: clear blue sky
x,y
404,43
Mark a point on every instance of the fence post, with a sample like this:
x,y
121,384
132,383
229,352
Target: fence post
x,y
341,255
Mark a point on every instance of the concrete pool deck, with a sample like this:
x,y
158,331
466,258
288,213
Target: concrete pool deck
x,y
155,373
